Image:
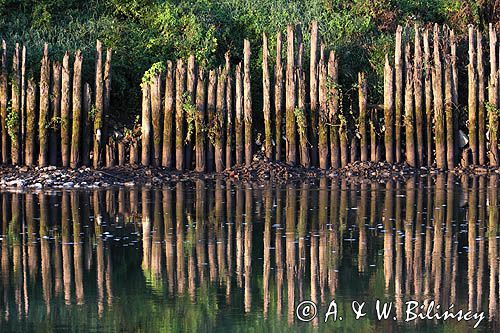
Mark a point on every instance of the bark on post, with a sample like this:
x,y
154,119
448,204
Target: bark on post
x,y
55,111
448,107
323,114
408,107
301,118
99,138
77,110
428,98
155,91
493,98
388,111
290,98
247,103
180,81
438,103
191,93
121,153
87,127
278,97
211,105
29,152
266,94
419,108
219,121
23,102
15,115
200,121
472,96
454,87
146,125
338,127
107,81
168,112
229,122
313,92
374,144
362,101
481,116
398,99
134,152
44,107
238,108
3,104
65,110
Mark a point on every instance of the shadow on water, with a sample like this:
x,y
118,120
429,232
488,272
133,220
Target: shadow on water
x,y
210,256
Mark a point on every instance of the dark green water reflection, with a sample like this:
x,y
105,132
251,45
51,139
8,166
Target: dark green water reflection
x,y
210,256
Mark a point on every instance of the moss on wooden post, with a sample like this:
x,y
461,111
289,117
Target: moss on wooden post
x,y
338,125
200,121
99,138
211,105
146,125
247,103
409,110
44,107
313,92
218,128
180,81
290,100
65,110
278,98
323,113
481,116
77,110
55,116
3,104
23,102
301,118
14,114
437,76
155,91
87,124
419,101
388,111
428,99
398,98
266,95
472,96
107,81
190,109
168,115
229,122
238,121
362,102
448,108
29,152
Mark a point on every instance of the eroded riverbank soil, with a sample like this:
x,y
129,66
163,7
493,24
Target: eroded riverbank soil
x,y
261,169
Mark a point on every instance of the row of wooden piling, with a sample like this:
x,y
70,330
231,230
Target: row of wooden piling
x,y
308,122
55,120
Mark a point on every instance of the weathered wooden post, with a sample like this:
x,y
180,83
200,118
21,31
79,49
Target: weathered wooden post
x,y
29,152
454,87
180,81
99,137
428,98
493,98
238,122
247,103
55,112
408,109
168,115
77,110
290,98
121,153
134,152
388,111
146,125
398,99
323,113
107,81
278,97
472,96
362,102
44,107
211,105
338,125
220,112
229,122
3,104
87,124
14,115
192,76
313,92
417,87
448,107
437,76
266,94
301,118
200,121
65,110
23,102
481,117
155,91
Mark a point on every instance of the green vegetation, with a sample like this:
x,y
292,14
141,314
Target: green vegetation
x,y
144,32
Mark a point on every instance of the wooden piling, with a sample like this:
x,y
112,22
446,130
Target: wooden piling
x,y
3,104
448,109
220,110
313,92
481,116
23,103
409,110
55,112
419,101
338,125
323,113
428,99
107,82
247,103
211,105
87,126
278,98
388,111
155,91
14,115
290,98
65,110
229,121
238,120
99,138
146,125
398,98
200,121
439,125
266,94
493,99
29,152
44,107
301,118
77,111
180,81
472,96
168,112
362,103
121,153
192,76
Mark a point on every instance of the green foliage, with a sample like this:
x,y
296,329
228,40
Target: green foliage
x,y
12,122
156,68
190,110
300,118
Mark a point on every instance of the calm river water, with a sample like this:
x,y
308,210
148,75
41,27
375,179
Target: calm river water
x,y
212,256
